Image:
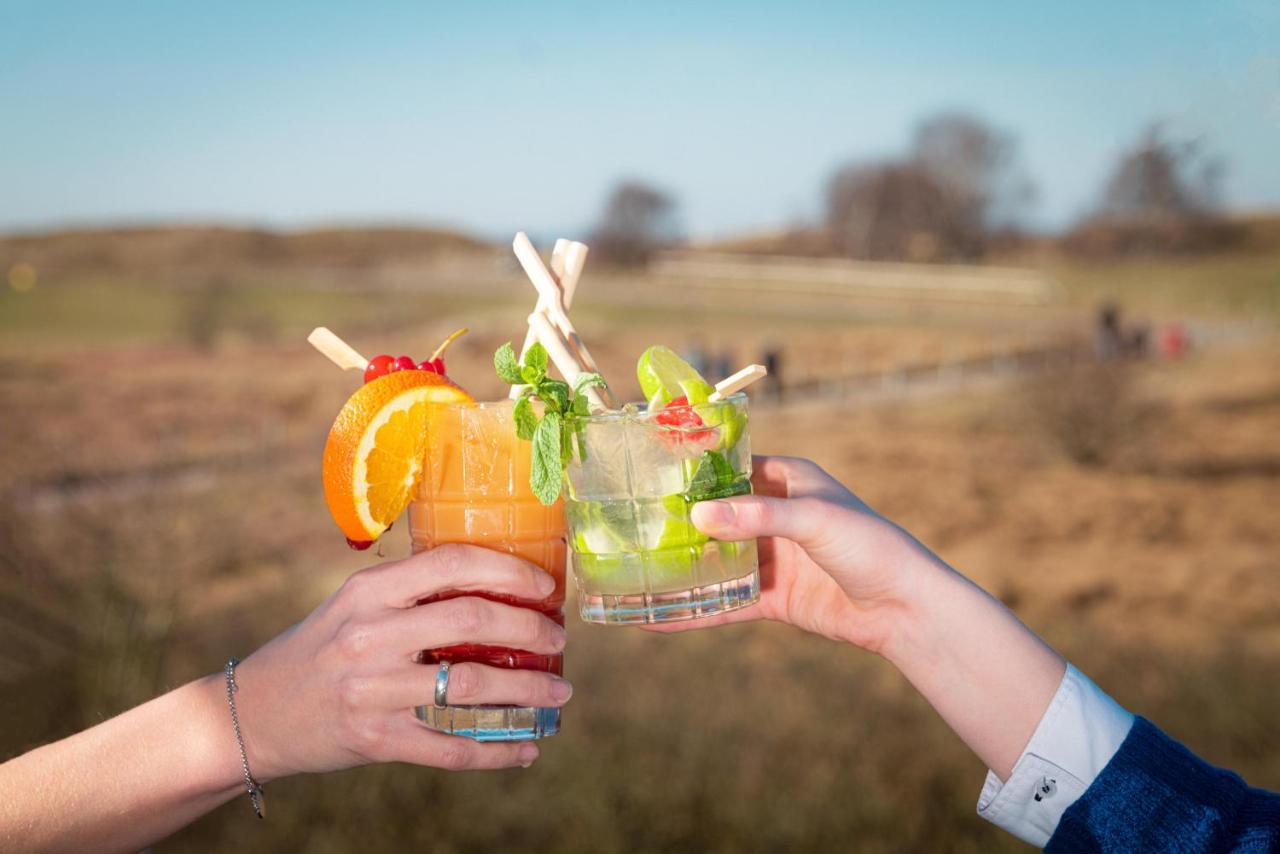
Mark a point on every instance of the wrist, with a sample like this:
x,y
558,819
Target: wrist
x,y
923,584
212,740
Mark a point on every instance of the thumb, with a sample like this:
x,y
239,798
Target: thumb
x,y
805,521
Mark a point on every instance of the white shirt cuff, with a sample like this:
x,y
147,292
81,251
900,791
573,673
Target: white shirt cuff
x,y
1078,734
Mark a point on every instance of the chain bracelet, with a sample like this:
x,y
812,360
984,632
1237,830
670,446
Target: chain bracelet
x,y
252,786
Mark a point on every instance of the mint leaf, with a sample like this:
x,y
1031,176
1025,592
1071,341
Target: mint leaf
x,y
504,362
580,408
586,381
724,471
536,357
727,490
526,420
715,478
555,394
532,376
546,475
704,477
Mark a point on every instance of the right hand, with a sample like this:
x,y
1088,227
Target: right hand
x,y
338,689
828,563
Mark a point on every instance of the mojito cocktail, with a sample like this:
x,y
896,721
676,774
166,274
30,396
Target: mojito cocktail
x,y
475,489
631,482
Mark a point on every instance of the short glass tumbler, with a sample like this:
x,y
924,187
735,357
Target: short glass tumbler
x,y
475,489
632,479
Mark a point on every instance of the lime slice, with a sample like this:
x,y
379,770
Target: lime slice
x,y
664,376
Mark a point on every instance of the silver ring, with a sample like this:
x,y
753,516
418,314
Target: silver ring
x,y
442,685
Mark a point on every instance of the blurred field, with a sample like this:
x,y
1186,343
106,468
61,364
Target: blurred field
x,y
162,427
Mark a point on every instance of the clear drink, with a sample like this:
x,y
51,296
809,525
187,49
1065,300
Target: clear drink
x,y
636,556
475,489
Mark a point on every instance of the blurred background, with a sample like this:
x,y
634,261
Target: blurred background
x,y
1016,268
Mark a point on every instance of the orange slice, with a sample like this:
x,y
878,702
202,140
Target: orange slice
x,y
373,458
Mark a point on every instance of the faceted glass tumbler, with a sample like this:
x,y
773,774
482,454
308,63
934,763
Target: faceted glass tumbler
x,y
475,489
631,483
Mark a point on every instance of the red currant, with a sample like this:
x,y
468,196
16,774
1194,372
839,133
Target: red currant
x,y
438,364
679,414
404,363
428,365
379,366
359,545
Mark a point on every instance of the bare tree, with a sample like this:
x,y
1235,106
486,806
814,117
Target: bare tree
x,y
1163,196
959,185
1163,178
638,220
886,211
978,166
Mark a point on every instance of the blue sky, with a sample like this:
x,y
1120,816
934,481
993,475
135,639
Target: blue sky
x,y
494,116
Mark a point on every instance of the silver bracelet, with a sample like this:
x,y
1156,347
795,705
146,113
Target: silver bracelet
x,y
251,785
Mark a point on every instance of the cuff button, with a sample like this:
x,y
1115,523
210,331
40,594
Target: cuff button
x,y
1046,788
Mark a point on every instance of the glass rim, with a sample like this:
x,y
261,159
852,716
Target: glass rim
x,y
643,414
475,404
641,407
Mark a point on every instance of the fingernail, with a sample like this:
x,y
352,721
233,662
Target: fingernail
x,y
561,690
546,584
713,514
558,637
528,753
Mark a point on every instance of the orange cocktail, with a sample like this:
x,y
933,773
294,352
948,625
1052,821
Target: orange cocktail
x,y
475,489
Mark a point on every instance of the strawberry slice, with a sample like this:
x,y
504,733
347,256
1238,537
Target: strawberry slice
x,y
680,415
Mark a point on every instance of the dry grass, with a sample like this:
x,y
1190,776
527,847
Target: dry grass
x,y
162,511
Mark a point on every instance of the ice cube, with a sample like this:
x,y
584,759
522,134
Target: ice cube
x,y
656,469
603,475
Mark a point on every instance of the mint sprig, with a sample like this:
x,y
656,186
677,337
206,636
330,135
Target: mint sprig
x,y
715,478
562,410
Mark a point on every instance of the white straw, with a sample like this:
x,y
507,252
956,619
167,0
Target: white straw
x,y
547,288
560,267
558,350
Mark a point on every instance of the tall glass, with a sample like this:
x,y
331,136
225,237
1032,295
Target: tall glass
x,y
634,475
475,489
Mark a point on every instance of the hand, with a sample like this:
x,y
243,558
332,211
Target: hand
x,y
338,689
828,563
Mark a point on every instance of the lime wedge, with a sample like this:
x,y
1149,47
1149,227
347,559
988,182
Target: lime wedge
x,y
664,376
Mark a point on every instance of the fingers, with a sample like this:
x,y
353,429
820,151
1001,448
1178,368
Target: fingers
x,y
450,567
470,684
807,521
467,619
413,742
786,477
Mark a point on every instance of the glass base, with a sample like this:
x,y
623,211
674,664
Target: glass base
x,y
691,604
491,723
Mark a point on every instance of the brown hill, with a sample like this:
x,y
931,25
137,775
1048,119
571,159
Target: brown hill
x,y
150,249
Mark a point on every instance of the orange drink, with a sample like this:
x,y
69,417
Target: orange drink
x,y
475,489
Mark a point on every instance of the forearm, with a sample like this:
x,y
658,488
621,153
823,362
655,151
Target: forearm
x,y
988,675
127,782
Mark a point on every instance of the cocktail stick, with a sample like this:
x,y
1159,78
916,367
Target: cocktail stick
x,y
336,350
738,382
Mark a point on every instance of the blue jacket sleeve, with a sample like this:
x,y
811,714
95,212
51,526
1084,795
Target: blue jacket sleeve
x,y
1155,795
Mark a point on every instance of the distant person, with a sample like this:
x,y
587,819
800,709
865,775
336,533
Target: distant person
x,y
772,360
1137,341
721,366
1174,341
696,355
1108,340
335,691
1070,769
